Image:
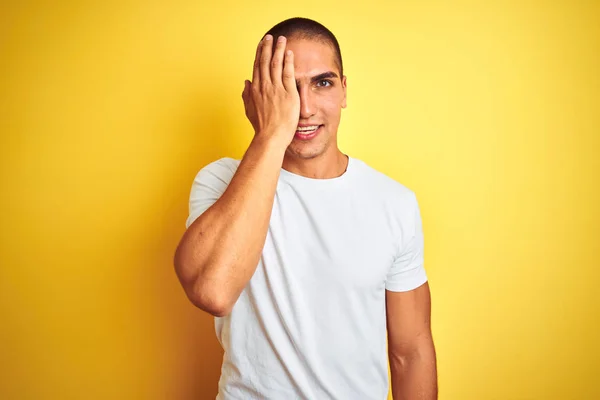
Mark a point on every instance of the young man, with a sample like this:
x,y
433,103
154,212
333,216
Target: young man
x,y
303,254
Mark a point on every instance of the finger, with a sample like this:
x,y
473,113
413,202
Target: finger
x,y
277,61
245,89
265,60
256,69
289,77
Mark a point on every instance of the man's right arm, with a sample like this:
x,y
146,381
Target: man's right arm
x,y
219,252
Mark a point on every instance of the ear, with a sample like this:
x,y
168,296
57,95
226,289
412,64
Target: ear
x,y
344,89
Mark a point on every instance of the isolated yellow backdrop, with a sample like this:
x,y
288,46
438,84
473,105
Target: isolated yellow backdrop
x,y
489,111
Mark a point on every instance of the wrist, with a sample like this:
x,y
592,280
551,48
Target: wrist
x,y
271,141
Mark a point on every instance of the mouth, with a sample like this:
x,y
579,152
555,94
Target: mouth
x,y
307,132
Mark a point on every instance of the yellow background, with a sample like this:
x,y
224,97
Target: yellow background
x,y
489,111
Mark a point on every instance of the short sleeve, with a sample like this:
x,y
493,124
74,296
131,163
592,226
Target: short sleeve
x,y
407,271
209,184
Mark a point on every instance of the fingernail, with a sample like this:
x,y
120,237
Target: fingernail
x,y
281,38
268,37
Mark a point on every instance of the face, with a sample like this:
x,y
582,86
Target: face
x,y
322,96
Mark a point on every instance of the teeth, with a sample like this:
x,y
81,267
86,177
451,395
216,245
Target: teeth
x,y
307,128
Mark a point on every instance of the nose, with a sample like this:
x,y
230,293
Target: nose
x,y
307,106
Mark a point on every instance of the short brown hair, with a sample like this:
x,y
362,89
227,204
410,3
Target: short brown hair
x,y
304,28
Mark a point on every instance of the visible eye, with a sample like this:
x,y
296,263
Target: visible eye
x,y
324,83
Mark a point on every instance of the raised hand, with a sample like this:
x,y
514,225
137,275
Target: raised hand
x,y
271,100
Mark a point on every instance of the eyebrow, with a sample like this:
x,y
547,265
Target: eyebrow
x,y
324,75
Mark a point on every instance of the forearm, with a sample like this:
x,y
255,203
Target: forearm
x,y
414,375
219,252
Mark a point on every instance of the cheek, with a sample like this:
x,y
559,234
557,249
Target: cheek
x,y
331,106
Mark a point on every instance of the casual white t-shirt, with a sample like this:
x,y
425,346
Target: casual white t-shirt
x,y
311,323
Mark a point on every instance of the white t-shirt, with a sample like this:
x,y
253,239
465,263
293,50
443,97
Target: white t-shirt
x,y
311,323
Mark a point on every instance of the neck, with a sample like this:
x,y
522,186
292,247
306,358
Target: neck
x,y
322,167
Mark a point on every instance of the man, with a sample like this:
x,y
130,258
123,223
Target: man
x,y
303,254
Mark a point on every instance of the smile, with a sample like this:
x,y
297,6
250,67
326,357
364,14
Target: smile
x,y
307,132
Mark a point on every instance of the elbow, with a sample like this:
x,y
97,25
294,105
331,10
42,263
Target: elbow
x,y
209,302
420,349
205,294
207,297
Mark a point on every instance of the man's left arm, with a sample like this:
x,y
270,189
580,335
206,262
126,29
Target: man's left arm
x,y
410,344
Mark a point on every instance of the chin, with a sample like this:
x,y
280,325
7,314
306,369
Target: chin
x,y
307,152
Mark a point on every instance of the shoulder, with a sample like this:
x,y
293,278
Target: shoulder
x,y
222,169
384,187
222,166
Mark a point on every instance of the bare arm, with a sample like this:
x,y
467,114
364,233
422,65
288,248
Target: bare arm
x,y
410,344
219,252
